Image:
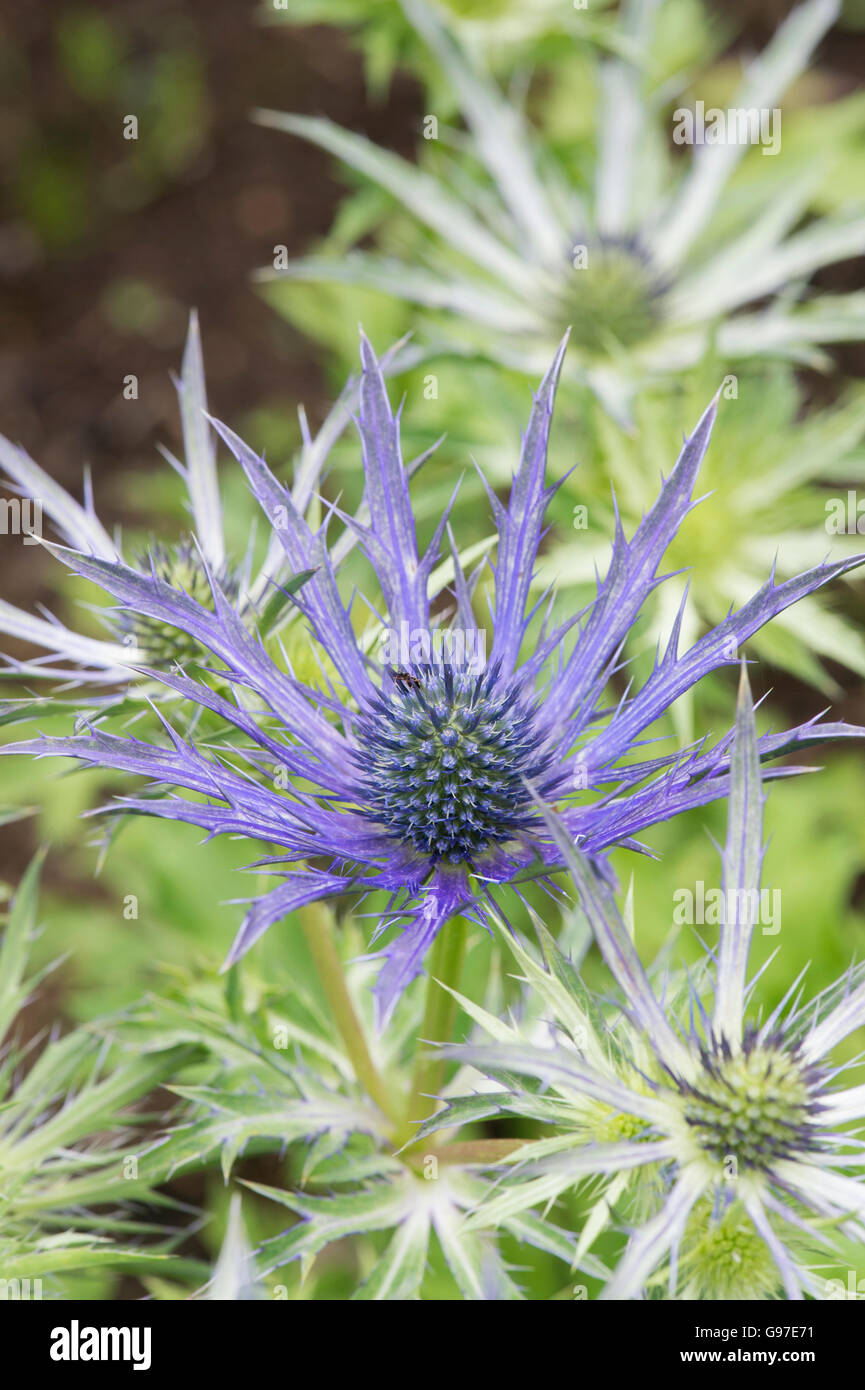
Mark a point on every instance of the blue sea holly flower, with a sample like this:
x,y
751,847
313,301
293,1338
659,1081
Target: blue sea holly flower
x,y
424,779
717,1134
135,639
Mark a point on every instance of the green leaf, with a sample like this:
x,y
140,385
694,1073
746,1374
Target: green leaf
x,y
239,1119
473,1261
279,600
15,945
329,1219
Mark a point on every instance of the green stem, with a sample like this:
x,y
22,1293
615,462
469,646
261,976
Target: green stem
x,y
479,1150
440,1012
317,925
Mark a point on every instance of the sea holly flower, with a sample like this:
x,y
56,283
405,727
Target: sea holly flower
x,y
659,259
719,1134
423,780
137,640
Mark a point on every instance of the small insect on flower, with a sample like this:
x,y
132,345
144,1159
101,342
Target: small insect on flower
x,y
426,782
404,680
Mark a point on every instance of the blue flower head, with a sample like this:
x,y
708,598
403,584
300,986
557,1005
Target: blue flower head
x,y
426,775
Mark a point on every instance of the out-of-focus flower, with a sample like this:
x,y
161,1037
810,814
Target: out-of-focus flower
x,y
650,266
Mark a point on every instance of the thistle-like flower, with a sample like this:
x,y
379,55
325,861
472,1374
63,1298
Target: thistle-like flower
x,y
633,263
137,640
422,777
718,1131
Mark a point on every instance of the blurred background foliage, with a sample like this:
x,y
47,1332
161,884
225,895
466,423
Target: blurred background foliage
x,y
104,245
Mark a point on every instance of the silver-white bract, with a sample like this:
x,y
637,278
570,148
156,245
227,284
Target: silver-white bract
x,y
111,662
500,255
